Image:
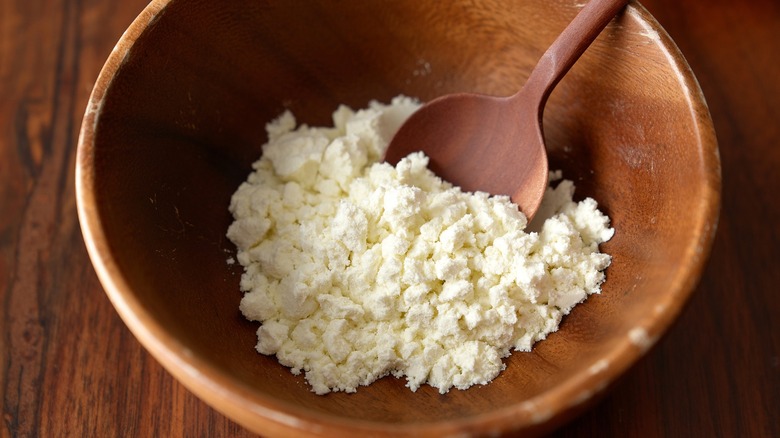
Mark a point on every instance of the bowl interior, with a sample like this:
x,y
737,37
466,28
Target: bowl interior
x,y
183,117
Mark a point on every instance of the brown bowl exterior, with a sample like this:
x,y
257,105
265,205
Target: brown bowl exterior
x,y
177,116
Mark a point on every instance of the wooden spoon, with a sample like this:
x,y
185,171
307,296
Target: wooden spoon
x,y
495,144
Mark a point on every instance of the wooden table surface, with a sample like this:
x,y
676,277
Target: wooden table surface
x,y
69,366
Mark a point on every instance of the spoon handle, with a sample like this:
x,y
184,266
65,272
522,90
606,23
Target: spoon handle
x,y
569,46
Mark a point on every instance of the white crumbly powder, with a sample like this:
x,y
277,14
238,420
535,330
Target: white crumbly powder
x,y
358,269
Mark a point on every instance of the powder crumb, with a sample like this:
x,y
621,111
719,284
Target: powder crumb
x,y
357,269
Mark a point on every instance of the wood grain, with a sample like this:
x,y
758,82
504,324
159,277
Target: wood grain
x,y
70,367
61,370
717,372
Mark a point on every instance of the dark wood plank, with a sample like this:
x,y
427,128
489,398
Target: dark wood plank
x,y
69,364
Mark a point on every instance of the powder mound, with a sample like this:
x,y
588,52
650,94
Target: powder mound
x,y
357,269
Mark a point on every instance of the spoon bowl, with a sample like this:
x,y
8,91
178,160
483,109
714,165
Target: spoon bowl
x,y
480,143
495,144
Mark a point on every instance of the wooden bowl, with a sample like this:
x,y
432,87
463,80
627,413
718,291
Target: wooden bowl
x,y
177,116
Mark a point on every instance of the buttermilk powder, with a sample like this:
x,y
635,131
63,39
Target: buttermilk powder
x,y
357,269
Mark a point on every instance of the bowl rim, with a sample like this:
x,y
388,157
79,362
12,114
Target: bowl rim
x,y
264,414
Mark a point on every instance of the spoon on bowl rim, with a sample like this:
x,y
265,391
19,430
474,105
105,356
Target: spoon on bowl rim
x,y
495,144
